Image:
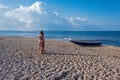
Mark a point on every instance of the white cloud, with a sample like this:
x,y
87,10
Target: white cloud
x,y
3,7
56,13
57,22
78,21
36,17
26,17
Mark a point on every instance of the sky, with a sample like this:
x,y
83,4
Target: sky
x,y
50,15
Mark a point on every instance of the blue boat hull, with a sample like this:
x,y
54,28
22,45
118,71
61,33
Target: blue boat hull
x,y
87,42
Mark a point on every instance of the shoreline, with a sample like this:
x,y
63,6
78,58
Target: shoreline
x,y
51,39
20,59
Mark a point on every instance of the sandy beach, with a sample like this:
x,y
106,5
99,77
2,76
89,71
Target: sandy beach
x,y
21,60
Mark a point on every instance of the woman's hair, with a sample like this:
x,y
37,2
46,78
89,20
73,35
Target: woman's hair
x,y
41,32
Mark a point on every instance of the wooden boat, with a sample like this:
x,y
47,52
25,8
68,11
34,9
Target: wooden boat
x,y
87,42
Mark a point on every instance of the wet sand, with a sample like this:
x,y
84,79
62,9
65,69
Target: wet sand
x,y
21,60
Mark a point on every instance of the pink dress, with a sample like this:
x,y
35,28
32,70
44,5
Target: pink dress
x,y
41,41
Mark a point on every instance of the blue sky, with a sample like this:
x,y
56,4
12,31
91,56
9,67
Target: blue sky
x,y
60,15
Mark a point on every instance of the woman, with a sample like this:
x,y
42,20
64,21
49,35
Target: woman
x,y
41,42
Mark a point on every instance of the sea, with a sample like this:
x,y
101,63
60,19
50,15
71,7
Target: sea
x,y
111,38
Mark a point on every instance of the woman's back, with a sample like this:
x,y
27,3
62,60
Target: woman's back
x,y
41,38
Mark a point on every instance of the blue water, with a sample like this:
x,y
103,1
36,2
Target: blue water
x,y
108,37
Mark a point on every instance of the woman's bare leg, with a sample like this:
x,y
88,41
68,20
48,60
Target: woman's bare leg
x,y
42,50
